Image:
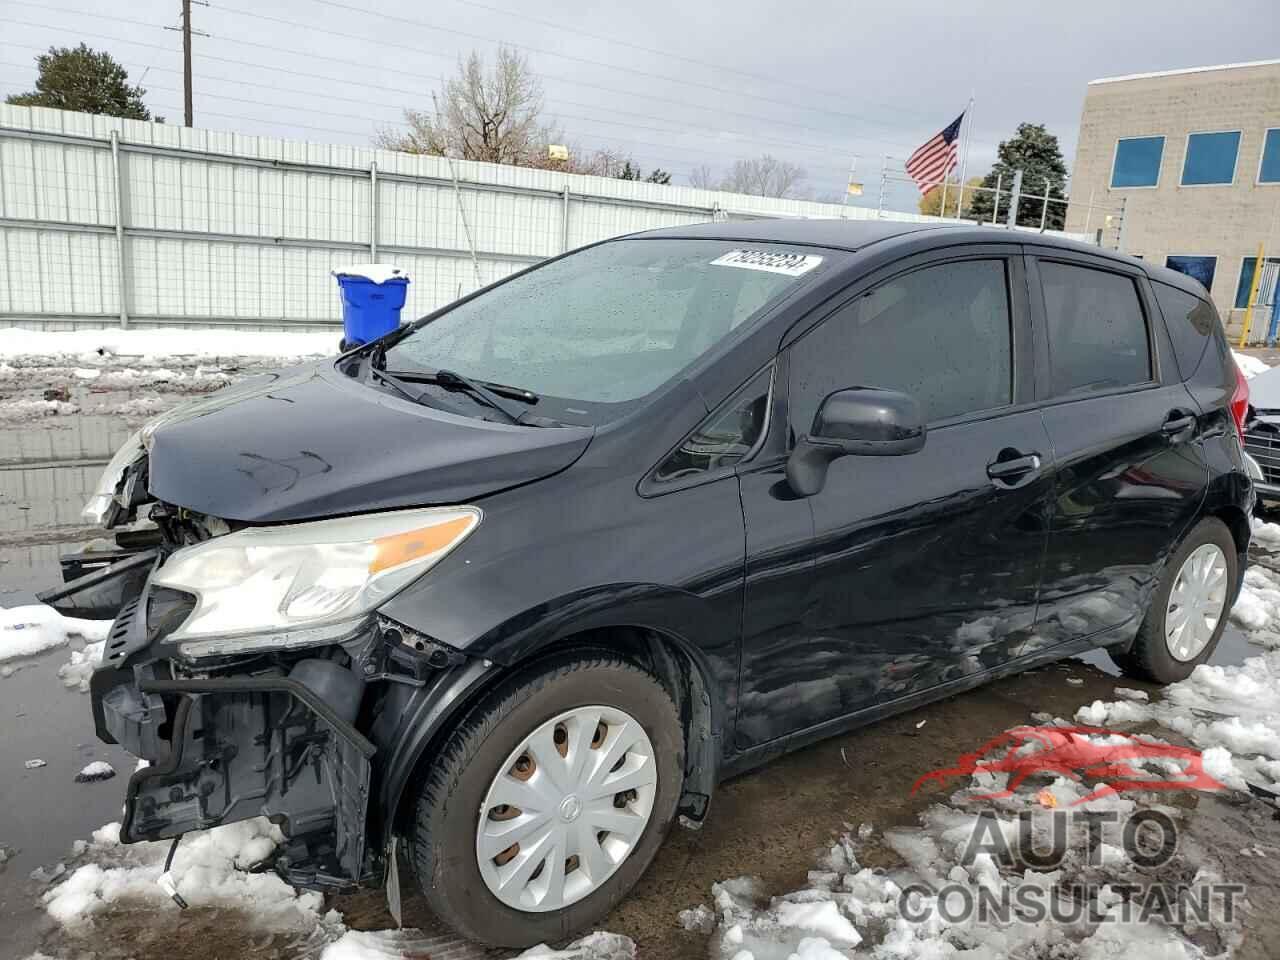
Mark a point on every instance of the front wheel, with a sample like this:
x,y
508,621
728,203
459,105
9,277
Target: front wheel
x,y
548,801
1189,608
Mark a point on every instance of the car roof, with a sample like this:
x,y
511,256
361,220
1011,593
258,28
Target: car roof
x,y
854,235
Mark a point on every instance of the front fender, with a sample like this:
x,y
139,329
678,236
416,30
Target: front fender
x,y
424,714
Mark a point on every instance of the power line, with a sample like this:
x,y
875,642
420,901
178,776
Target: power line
x,y
582,118
612,67
788,82
418,50
430,77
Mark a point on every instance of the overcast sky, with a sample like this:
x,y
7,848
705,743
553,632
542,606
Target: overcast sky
x,y
674,84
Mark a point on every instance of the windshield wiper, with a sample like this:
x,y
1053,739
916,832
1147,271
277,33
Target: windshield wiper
x,y
450,378
501,389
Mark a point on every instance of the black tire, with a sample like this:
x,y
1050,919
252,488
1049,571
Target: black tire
x,y
1149,657
454,785
343,346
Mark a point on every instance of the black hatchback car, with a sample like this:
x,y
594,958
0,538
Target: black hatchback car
x,y
515,586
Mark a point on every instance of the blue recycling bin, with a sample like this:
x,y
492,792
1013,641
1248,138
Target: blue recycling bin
x,y
372,297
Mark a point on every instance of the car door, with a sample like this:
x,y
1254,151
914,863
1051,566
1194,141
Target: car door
x,y
902,572
1129,472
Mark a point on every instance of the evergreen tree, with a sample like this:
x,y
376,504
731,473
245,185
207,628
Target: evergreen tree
x,y
1035,152
85,80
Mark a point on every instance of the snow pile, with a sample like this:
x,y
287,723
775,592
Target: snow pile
x,y
75,673
373,272
96,771
1250,366
35,409
209,870
79,348
600,945
847,908
28,630
1231,713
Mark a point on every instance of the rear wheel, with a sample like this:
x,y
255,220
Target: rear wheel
x,y
1189,608
548,801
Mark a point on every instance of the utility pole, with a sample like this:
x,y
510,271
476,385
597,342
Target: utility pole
x,y
186,62
187,34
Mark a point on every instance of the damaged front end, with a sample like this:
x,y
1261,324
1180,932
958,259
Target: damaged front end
x,y
244,662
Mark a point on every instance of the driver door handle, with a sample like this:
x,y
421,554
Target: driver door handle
x,y
1015,469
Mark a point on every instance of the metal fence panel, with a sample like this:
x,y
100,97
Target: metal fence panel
x,y
226,228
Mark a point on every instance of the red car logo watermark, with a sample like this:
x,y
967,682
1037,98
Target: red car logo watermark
x,y
1111,759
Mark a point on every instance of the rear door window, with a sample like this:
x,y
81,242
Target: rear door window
x,y
940,334
1097,329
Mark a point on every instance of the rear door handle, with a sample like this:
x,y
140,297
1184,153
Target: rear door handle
x,y
1014,469
1178,421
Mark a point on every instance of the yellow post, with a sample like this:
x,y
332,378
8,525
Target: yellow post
x,y
1253,293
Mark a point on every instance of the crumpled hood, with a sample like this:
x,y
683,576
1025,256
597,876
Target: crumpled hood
x,y
310,442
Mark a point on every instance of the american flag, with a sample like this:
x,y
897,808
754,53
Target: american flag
x,y
936,157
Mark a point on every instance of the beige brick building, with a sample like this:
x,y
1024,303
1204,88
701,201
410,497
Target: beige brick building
x,y
1195,157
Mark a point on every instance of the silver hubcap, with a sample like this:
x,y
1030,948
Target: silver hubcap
x,y
1196,602
566,808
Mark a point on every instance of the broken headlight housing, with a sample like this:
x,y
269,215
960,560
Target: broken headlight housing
x,y
283,587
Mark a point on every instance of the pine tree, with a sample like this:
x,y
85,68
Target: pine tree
x,y
1035,152
85,80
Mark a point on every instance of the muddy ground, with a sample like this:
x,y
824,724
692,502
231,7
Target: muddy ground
x,y
769,823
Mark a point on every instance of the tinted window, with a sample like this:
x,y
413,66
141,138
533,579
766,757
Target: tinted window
x,y
1211,157
1198,268
596,331
1191,322
940,334
1269,172
1137,162
1097,333
726,436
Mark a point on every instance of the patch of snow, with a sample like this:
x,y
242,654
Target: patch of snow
x,y
93,772
75,673
18,410
701,919
28,630
600,945
209,870
1265,533
35,764
1250,366
82,348
373,272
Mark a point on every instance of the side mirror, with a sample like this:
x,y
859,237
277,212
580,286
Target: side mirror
x,y
859,421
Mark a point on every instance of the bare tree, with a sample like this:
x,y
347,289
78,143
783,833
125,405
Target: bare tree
x,y
765,176
482,113
702,178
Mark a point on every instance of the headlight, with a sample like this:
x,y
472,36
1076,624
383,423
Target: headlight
x,y
306,583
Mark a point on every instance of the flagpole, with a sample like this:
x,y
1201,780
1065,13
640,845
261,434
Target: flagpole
x,y
964,155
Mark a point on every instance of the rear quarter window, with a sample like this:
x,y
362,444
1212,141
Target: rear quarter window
x,y
1192,322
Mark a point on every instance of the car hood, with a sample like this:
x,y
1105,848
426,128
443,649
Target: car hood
x,y
310,442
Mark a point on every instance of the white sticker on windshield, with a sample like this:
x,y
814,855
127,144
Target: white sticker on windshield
x,y
789,264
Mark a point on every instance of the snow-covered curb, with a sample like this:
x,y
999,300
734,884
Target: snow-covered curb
x,y
78,348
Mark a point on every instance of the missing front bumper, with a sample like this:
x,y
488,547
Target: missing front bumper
x,y
230,748
246,747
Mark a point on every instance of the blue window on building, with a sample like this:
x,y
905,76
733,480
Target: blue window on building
x,y
1211,158
1269,172
1137,162
1246,280
1198,268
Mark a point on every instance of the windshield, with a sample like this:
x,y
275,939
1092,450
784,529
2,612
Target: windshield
x,y
594,333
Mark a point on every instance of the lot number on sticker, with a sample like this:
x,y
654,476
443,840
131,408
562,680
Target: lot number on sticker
x,y
790,264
